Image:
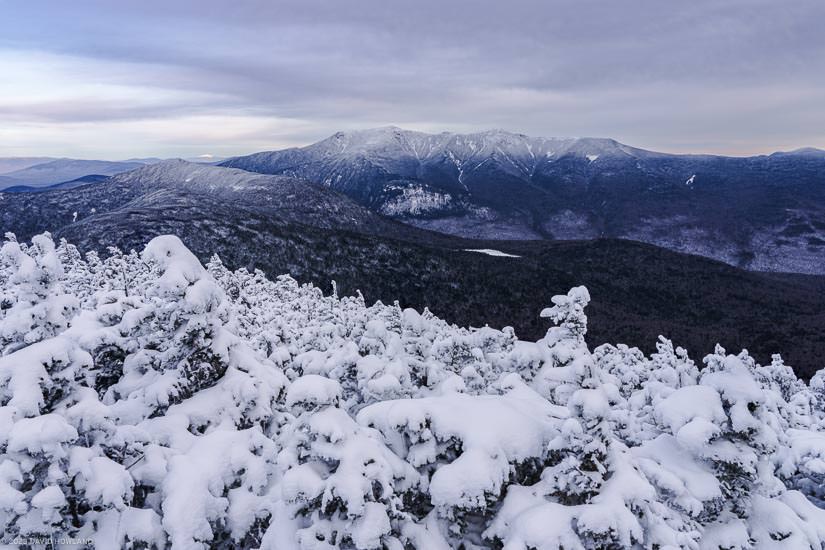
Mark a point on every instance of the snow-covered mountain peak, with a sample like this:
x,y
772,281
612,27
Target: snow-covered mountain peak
x,y
392,142
503,185
362,141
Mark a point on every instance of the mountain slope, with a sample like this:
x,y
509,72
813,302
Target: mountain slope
x,y
762,213
283,225
84,180
184,185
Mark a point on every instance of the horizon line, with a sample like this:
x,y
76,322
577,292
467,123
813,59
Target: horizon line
x,y
302,144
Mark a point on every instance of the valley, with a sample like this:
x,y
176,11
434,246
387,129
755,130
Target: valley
x,y
280,224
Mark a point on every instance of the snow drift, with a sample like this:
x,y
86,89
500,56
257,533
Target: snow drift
x,y
147,401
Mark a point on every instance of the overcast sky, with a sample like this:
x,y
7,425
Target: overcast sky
x,y
117,79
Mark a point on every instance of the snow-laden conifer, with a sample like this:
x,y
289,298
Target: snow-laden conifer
x,y
147,401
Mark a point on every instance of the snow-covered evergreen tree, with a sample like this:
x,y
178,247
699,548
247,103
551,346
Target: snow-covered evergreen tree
x,y
33,306
569,365
147,401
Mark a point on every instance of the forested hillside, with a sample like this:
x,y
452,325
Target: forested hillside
x,y
283,225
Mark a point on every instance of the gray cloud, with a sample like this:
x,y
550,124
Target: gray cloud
x,y
710,75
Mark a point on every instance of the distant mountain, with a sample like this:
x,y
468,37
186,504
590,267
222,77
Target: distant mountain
x,y
39,173
179,184
206,159
6,183
144,160
84,180
761,213
284,225
63,170
11,164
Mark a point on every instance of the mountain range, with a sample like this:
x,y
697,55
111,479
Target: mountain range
x,y
26,174
282,224
62,170
763,213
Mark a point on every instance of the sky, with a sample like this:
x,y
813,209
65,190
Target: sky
x,y
120,79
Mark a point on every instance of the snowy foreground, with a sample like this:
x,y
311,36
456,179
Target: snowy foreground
x,y
149,402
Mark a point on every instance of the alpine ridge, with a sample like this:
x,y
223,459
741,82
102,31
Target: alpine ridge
x,y
762,213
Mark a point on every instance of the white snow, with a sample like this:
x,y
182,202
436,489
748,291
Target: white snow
x,y
414,200
491,252
50,497
313,390
688,404
493,431
210,407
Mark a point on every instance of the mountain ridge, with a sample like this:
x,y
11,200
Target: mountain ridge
x,y
63,170
762,212
26,174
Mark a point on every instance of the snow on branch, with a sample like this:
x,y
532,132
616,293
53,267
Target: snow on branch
x,y
149,401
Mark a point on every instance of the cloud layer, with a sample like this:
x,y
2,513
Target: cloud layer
x,y
113,79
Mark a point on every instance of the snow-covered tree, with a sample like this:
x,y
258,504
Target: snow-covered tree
x,y
33,305
147,401
569,365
